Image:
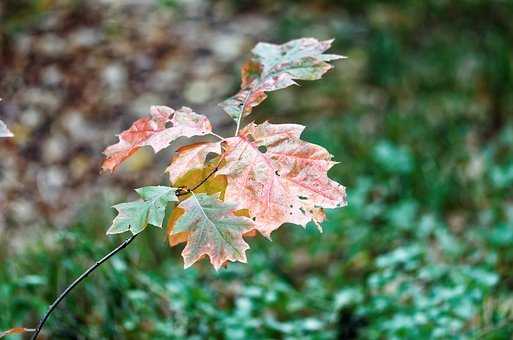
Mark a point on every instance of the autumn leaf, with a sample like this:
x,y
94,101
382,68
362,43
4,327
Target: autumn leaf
x,y
213,185
191,157
135,216
153,131
276,67
214,230
279,177
4,131
16,330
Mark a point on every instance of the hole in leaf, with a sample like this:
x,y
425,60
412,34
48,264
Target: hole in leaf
x,y
262,148
211,156
276,173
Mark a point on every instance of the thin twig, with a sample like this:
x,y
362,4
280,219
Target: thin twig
x,y
184,191
239,120
77,281
61,297
206,178
216,135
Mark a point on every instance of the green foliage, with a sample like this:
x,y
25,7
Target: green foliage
x,y
135,216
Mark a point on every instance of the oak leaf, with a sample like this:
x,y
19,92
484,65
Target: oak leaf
x,y
16,330
213,230
278,177
153,131
276,67
191,157
135,216
213,185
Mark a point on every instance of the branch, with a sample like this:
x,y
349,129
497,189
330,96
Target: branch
x,y
184,191
77,281
61,297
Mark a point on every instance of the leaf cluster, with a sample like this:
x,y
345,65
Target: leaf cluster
x,y
260,178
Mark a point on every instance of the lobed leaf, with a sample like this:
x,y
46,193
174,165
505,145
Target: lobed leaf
x,y
213,185
135,216
276,67
4,131
191,157
212,229
153,131
278,177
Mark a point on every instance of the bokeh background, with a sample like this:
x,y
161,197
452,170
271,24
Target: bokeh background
x,y
420,117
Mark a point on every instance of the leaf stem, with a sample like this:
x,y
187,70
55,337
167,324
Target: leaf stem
x,y
216,135
206,178
77,281
242,113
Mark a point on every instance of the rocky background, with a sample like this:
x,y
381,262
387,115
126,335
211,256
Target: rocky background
x,y
73,74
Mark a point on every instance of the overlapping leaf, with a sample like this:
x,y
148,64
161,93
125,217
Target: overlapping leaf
x,y
4,131
135,216
279,177
153,131
213,230
276,67
261,178
191,157
215,184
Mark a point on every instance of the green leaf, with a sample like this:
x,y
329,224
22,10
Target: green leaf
x,y
214,230
135,216
276,67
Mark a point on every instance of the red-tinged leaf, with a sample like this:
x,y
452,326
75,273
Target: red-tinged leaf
x,y
16,330
4,131
191,157
276,67
213,185
153,131
212,229
249,72
279,177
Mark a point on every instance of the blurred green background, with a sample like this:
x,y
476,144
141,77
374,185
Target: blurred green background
x,y
420,117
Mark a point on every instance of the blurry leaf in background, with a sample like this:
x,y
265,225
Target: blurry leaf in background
x,y
4,131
